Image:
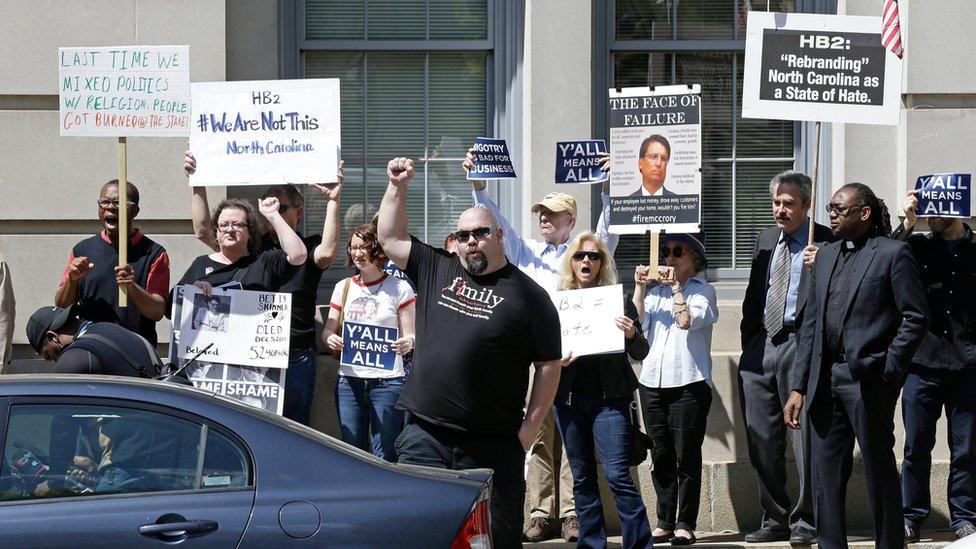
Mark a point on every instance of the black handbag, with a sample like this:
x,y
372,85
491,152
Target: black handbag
x,y
640,443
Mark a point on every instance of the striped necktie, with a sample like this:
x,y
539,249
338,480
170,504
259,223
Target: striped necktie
x,y
779,286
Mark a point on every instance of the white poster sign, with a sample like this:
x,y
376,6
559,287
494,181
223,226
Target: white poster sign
x,y
124,91
245,327
830,68
265,132
259,387
586,318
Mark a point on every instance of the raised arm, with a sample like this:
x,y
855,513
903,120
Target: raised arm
x,y
325,253
602,230
392,224
515,246
291,244
199,207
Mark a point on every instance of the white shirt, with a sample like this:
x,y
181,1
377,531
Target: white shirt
x,y
658,192
679,357
542,261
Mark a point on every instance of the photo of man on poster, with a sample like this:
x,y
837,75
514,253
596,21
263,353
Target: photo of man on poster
x,y
655,152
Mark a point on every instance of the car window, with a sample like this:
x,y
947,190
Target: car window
x,y
225,464
71,450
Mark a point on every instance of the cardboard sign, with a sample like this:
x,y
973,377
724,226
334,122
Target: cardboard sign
x,y
124,91
259,387
655,140
491,160
586,318
831,68
265,132
579,161
245,327
368,346
945,195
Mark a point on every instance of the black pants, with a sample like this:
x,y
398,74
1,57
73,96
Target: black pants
x,y
844,410
675,421
422,443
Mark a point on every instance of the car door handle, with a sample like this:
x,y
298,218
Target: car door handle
x,y
183,527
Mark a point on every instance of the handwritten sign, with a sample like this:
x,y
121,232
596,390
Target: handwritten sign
x,y
831,68
124,91
945,195
265,132
579,161
586,318
368,346
491,160
246,328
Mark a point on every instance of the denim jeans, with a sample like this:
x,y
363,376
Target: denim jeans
x,y
367,415
299,385
115,479
586,423
925,394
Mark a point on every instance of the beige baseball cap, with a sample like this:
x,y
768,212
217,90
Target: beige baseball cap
x,y
556,202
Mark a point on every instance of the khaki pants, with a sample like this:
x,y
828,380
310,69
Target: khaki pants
x,y
546,455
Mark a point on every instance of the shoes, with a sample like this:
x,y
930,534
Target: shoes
x,y
966,529
570,530
538,529
802,536
911,534
681,540
767,535
663,538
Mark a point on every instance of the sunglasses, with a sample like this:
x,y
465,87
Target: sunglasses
x,y
677,251
282,208
479,233
592,256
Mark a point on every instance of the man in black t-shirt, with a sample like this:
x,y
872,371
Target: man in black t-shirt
x,y
481,323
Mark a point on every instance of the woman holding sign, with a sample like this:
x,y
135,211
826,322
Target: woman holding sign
x,y
593,407
674,392
371,323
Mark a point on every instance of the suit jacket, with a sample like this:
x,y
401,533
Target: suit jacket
x,y
639,192
754,303
887,315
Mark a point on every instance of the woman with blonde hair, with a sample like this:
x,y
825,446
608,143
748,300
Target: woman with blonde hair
x,y
593,407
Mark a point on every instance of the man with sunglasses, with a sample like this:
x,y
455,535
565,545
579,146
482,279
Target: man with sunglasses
x,y
772,310
92,276
302,284
481,324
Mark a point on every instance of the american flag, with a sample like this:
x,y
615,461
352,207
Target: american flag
x,y
891,28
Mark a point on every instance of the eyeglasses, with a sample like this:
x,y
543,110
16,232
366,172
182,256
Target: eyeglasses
x,y
354,249
479,233
592,256
841,210
663,159
105,203
282,208
677,251
236,225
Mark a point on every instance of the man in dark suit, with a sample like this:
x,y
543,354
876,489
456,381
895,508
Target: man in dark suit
x,y
655,153
771,311
866,314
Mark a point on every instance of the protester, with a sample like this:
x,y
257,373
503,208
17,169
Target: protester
x,y
866,314
542,261
771,312
943,373
92,277
366,393
303,282
674,391
8,312
593,405
480,324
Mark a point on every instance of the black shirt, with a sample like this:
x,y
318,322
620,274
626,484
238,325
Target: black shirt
x,y
477,337
303,284
838,292
91,356
264,272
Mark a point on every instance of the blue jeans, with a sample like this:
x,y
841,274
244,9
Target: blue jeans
x,y
299,385
606,424
925,394
366,411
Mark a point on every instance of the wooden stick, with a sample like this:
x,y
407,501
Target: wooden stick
x,y
813,187
655,253
123,218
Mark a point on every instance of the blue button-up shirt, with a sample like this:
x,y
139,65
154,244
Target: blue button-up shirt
x,y
797,241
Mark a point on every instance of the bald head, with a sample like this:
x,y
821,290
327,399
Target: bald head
x,y
480,254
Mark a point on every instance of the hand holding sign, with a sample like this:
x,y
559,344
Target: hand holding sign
x,y
581,161
332,191
910,207
468,165
945,195
491,160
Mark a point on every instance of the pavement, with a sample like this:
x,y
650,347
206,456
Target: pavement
x,y
930,540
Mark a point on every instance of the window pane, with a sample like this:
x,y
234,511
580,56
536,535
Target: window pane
x,y
225,464
458,102
717,213
395,91
335,19
714,72
458,19
705,19
759,137
396,20
348,68
448,194
753,212
642,20
633,70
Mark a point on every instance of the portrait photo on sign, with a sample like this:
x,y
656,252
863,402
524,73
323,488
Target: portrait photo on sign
x,y
211,313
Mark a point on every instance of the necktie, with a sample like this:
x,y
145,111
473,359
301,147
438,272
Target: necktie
x,y
779,286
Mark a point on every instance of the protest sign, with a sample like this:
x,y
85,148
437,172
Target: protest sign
x,y
655,140
586,318
945,195
259,387
829,68
579,161
245,327
491,160
368,346
265,132
124,91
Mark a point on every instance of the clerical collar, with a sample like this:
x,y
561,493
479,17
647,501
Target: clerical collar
x,y
856,244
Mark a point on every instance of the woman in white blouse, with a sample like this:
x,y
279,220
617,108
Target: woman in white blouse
x,y
675,395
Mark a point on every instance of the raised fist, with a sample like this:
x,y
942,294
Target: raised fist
x,y
400,171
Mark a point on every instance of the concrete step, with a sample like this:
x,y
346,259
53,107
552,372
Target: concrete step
x,y
930,540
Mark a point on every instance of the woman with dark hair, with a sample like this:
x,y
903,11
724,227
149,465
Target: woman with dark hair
x,y
375,313
674,391
593,407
